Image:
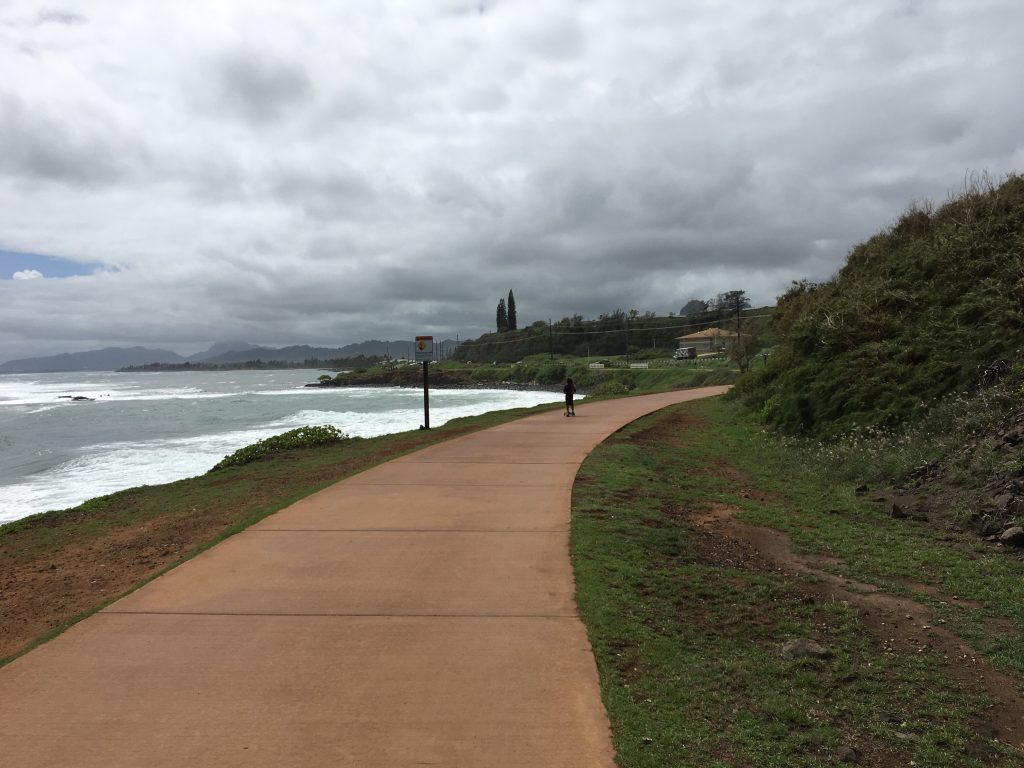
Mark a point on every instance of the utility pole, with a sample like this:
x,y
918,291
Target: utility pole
x,y
551,342
739,308
426,396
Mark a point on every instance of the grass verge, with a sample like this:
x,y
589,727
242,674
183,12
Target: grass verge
x,y
687,625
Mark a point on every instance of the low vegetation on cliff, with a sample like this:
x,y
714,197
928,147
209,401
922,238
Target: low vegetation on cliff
x,y
905,372
919,311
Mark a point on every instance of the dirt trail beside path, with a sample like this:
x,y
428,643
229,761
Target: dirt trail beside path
x,y
898,623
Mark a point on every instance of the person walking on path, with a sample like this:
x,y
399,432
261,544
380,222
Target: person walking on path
x,y
570,390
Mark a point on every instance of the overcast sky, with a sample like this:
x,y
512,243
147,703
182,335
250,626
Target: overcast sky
x,y
174,173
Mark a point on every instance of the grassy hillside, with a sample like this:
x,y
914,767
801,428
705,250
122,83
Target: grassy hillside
x,y
918,312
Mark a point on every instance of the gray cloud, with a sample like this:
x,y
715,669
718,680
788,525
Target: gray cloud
x,y
258,85
324,172
61,17
77,147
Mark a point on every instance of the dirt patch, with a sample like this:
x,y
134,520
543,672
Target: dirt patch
x,y
928,589
897,623
722,469
667,431
726,471
39,594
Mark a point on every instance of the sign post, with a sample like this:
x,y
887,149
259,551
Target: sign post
x,y
424,354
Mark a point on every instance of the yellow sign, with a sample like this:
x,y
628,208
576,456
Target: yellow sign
x,y
424,349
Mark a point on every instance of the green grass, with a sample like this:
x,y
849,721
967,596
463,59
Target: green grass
x,y
687,643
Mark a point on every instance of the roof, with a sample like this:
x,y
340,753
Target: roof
x,y
708,333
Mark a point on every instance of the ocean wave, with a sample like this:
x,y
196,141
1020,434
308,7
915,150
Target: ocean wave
x,y
102,468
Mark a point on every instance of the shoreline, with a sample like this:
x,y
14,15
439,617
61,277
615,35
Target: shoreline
x,y
505,385
203,418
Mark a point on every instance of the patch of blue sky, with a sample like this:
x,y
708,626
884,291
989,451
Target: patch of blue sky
x,y
26,264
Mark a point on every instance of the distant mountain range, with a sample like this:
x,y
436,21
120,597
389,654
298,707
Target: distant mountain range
x,y
221,353
108,359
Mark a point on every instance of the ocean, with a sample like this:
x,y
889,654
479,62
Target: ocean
x,y
151,428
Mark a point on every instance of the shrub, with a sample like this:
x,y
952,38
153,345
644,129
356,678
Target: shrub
x,y
303,437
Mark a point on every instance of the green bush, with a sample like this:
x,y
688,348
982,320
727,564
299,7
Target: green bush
x,y
609,387
303,437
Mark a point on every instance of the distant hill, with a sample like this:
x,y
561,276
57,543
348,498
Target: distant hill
x,y
221,353
218,349
107,359
301,353
917,313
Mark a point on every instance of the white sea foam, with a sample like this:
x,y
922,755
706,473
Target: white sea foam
x,y
77,473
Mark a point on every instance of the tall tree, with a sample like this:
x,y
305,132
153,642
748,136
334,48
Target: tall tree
x,y
511,311
731,302
693,307
502,319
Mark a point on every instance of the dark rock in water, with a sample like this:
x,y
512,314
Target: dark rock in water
x,y
848,755
1013,537
896,512
802,648
80,398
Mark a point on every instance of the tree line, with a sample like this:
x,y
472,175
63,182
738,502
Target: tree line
x,y
618,332
506,314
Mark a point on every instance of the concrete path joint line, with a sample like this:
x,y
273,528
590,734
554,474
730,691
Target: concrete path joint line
x,y
406,530
477,485
499,461
352,615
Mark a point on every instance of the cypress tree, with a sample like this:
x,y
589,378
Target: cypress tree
x,y
502,318
511,311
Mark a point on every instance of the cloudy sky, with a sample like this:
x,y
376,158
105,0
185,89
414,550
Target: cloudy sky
x,y
326,172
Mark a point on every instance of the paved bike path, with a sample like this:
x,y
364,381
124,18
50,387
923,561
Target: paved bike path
x,y
419,613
